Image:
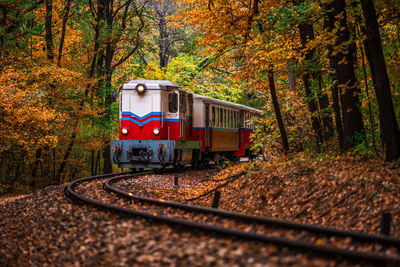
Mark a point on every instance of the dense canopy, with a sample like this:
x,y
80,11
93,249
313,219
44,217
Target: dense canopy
x,y
325,73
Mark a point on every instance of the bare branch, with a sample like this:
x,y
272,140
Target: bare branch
x,y
127,3
123,59
92,8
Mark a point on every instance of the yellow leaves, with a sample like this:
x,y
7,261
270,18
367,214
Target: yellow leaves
x,y
25,120
154,72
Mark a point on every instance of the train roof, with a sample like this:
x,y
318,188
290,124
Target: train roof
x,y
150,84
164,84
210,100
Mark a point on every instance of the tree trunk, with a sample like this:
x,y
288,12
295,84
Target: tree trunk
x,y
344,76
64,26
3,37
306,34
49,35
338,116
163,42
38,156
387,117
323,101
277,109
324,128
291,74
371,116
107,166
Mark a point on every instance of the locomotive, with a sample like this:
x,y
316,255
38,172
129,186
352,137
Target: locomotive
x,y
161,124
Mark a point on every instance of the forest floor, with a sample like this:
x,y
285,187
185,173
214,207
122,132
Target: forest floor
x,y
46,228
341,192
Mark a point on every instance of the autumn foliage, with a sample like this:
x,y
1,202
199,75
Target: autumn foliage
x,y
308,64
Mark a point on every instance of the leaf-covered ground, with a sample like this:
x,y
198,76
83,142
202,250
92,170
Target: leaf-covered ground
x,y
46,228
343,192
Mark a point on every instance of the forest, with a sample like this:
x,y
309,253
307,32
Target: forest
x,y
326,74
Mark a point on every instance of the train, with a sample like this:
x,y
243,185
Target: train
x,y
161,124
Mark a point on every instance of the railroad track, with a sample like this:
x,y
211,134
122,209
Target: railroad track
x,y
320,241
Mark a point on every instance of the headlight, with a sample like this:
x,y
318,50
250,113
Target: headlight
x,y
156,131
141,89
124,131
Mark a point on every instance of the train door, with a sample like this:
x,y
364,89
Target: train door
x,y
183,111
190,98
241,125
173,115
207,126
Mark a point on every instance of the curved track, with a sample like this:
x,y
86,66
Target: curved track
x,y
282,233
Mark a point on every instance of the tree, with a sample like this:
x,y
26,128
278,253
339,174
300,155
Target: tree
x,y
345,90
307,33
321,117
49,33
285,143
373,47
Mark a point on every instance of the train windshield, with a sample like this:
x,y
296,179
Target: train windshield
x,y
173,102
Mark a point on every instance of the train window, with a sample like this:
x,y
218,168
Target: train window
x,y
182,104
173,102
237,119
213,116
217,117
220,117
224,118
230,119
249,120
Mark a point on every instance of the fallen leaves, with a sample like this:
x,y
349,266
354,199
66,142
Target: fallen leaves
x,y
45,228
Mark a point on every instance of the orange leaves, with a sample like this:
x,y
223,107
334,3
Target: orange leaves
x,y
339,192
25,122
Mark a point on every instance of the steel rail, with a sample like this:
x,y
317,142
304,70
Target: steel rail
x,y
384,240
299,245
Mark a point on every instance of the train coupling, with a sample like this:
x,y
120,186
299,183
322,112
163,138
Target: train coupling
x,y
139,153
